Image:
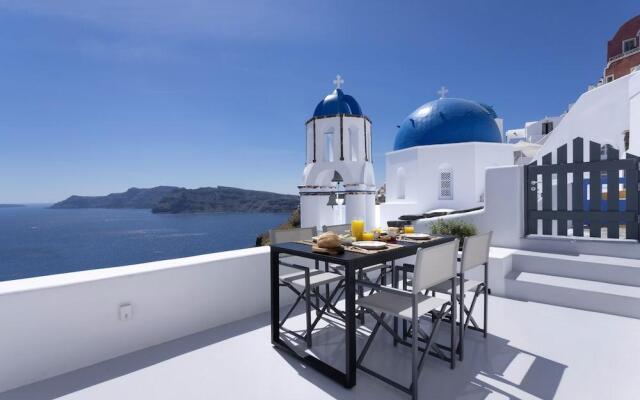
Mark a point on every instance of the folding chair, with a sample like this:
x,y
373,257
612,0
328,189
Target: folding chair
x,y
434,265
475,252
305,283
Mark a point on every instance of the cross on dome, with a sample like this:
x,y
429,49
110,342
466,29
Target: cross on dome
x,y
338,81
443,92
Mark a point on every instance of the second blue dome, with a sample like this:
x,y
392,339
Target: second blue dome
x,y
448,120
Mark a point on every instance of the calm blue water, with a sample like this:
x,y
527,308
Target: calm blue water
x,y
37,241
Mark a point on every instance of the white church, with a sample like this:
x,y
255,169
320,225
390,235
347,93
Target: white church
x,y
442,151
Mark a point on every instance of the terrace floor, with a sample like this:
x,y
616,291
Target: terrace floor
x,y
534,351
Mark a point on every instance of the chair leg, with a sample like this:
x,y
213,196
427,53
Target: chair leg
x,y
486,297
365,349
308,312
404,321
453,323
461,326
414,347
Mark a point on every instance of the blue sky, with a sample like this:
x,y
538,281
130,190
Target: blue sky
x,y
99,96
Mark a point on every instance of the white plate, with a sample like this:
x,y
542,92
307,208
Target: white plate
x,y
370,245
417,236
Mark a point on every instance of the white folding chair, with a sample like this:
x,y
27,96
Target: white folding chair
x,y
475,252
305,282
434,265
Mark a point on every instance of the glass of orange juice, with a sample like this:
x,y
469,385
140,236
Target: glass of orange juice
x,y
357,228
367,235
408,229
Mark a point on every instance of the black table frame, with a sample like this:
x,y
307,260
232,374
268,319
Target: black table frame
x,y
352,262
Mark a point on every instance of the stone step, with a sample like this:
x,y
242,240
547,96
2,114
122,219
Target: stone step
x,y
614,270
571,292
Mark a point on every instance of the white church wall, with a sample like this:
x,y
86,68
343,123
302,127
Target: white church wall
x,y
600,115
402,175
459,158
503,212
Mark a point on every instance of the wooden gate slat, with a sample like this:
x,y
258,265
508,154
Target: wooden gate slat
x,y
531,186
595,191
613,193
632,184
547,194
562,190
578,182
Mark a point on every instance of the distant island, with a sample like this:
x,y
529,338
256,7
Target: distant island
x,y
11,205
175,200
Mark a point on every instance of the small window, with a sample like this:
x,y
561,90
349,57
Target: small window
x,y
446,184
629,44
609,78
626,141
547,127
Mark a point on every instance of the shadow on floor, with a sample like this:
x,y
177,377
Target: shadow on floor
x,y
491,366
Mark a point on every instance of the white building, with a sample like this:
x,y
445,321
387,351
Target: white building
x,y
338,182
534,131
440,155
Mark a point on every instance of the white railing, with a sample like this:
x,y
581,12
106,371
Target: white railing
x,y
59,323
623,55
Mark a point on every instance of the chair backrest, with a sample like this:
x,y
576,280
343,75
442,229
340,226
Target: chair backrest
x,y
435,265
291,235
338,229
475,251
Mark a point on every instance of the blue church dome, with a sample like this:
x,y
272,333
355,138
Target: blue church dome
x,y
337,103
448,120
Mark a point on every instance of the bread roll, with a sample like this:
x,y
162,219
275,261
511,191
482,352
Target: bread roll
x,y
328,240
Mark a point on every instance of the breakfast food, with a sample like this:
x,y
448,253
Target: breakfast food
x,y
329,240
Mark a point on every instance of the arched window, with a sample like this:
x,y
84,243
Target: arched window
x,y
353,143
446,183
328,146
401,181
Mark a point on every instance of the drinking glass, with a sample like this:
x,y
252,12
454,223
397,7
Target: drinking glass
x,y
357,228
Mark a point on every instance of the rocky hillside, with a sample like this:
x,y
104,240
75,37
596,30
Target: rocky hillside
x,y
132,198
225,199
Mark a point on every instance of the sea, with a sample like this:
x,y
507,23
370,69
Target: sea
x,y
36,240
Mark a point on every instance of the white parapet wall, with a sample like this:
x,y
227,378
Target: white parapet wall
x,y
59,323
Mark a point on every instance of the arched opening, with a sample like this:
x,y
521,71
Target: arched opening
x,y
401,183
328,146
353,143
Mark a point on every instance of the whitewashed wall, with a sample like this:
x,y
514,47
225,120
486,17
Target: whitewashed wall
x,y
59,323
601,115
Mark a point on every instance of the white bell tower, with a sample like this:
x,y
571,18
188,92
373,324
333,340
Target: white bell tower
x,y
338,181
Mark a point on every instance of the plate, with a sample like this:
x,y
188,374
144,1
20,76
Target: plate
x,y
417,236
370,245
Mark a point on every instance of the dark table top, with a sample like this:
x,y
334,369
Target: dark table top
x,y
359,260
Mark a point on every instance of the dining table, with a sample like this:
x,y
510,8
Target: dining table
x,y
353,262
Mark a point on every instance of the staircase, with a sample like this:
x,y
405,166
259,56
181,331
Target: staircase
x,y
595,283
